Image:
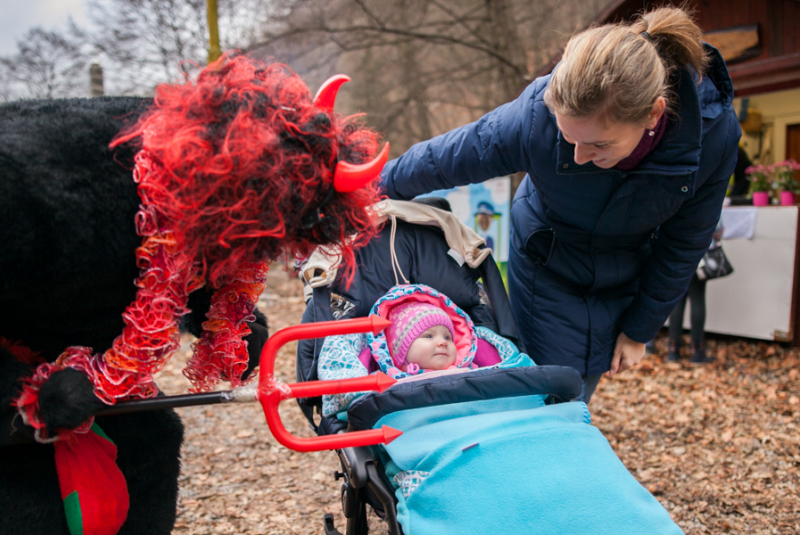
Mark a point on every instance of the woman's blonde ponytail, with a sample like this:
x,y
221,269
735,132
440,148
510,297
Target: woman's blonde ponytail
x,y
617,71
676,37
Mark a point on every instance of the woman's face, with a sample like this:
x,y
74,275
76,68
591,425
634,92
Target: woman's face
x,y
601,142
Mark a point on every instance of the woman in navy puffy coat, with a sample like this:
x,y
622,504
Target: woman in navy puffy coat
x,y
628,146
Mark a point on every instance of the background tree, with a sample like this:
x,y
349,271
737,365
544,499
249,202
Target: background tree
x,y
48,64
139,43
146,42
423,66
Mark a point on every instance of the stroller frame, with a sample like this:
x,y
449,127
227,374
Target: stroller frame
x,y
362,473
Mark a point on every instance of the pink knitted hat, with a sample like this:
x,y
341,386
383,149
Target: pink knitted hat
x,y
409,320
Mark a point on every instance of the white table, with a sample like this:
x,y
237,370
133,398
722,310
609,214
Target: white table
x,y
757,299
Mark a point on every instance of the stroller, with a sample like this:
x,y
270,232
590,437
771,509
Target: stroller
x,y
490,451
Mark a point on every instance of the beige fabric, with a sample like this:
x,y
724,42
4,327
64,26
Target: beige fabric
x,y
395,261
460,237
320,269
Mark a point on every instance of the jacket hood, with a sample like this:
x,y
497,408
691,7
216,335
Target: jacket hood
x,y
717,73
464,331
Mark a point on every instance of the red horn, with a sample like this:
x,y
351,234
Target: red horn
x,y
326,96
350,177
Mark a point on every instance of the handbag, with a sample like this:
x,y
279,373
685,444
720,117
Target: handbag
x,y
714,265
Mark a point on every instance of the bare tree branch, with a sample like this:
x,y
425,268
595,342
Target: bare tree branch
x,y
428,65
47,65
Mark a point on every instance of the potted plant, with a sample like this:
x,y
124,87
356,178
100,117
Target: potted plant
x,y
783,176
761,184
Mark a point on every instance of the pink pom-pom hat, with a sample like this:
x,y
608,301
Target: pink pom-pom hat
x,y
409,320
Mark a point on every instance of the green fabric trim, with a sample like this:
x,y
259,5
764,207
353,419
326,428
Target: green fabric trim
x,y
99,432
72,508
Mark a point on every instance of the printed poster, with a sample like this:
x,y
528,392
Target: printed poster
x,y
485,208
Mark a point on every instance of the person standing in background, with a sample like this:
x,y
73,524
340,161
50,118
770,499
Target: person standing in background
x,y
696,294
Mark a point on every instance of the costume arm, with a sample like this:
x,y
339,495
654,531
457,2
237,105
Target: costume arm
x,y
199,304
682,242
12,372
64,401
259,334
495,145
338,359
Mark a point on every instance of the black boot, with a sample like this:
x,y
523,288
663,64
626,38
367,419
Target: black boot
x,y
699,354
674,351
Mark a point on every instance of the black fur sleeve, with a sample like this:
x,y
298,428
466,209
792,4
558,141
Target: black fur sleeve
x,y
12,431
259,333
199,304
11,373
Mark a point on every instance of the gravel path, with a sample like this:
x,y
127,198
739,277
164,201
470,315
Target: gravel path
x,y
719,446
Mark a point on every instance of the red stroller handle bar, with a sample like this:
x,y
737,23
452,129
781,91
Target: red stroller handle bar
x,y
272,392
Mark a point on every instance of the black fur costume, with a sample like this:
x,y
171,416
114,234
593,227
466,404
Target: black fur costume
x,y
67,207
66,272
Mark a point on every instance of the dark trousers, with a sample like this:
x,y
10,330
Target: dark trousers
x,y
697,297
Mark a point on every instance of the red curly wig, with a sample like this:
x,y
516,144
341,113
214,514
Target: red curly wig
x,y
236,160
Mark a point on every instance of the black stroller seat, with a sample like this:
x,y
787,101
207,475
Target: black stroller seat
x,y
417,254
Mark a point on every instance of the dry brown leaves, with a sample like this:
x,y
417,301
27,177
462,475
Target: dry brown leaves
x,y
718,445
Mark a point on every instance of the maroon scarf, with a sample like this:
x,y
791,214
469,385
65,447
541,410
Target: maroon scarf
x,y
646,145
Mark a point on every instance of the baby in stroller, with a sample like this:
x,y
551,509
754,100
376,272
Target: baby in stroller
x,y
481,452
429,334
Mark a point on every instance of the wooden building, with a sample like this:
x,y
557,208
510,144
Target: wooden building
x,y
760,41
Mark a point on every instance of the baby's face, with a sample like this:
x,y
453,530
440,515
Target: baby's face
x,y
434,349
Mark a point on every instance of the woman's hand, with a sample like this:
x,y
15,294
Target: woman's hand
x,y
627,354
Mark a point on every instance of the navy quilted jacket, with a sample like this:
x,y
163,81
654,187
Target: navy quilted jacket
x,y
594,251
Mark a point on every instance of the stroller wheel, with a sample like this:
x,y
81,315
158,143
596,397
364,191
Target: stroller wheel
x,y
349,502
330,528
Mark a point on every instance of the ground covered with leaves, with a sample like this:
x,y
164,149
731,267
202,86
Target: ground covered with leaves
x,y
718,445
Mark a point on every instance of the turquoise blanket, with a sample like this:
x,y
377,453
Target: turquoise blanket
x,y
514,466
